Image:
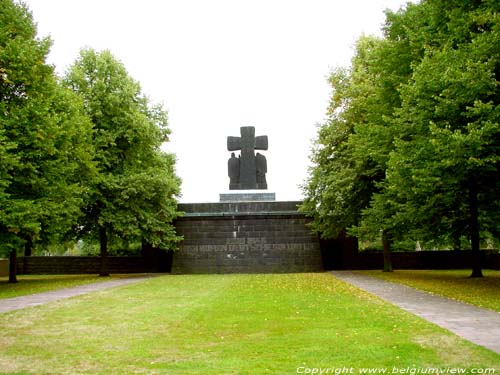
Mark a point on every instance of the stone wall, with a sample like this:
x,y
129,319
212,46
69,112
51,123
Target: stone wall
x,y
245,237
425,260
40,265
4,267
493,261
366,260
76,265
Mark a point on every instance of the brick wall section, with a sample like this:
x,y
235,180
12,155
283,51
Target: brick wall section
x,y
80,265
403,260
494,261
429,260
4,267
245,237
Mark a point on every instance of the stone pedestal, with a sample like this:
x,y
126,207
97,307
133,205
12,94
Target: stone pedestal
x,y
248,196
245,237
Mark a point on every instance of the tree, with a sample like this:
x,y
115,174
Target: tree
x,y
418,127
329,190
340,185
390,65
134,194
444,172
353,147
44,136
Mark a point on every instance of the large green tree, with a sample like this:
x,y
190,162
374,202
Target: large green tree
x,y
444,173
353,147
411,147
44,140
134,197
333,196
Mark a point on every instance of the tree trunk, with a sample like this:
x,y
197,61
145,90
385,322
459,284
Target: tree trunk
x,y
13,266
456,241
103,237
386,243
474,230
28,247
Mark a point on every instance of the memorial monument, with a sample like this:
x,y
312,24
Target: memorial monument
x,y
247,231
247,171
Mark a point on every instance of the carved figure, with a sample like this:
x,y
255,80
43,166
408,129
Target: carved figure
x,y
252,168
261,168
233,167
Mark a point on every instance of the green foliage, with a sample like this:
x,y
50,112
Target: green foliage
x,y
448,126
411,147
134,194
84,154
44,138
353,147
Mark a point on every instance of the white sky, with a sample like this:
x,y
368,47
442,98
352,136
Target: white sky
x,y
218,65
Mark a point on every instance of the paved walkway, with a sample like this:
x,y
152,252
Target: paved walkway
x,y
480,326
16,303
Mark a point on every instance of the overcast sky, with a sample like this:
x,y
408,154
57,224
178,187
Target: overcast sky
x,y
217,65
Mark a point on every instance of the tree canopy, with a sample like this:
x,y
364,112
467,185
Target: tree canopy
x,y
44,139
133,197
411,147
79,156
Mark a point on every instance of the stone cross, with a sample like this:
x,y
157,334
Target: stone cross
x,y
247,171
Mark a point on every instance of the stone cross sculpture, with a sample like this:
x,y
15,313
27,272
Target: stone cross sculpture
x,y
247,171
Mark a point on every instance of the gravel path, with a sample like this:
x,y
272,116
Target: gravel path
x,y
16,303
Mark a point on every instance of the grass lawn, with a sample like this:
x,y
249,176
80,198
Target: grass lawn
x,y
455,284
30,284
227,324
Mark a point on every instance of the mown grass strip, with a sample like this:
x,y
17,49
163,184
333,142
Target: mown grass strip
x,y
227,324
